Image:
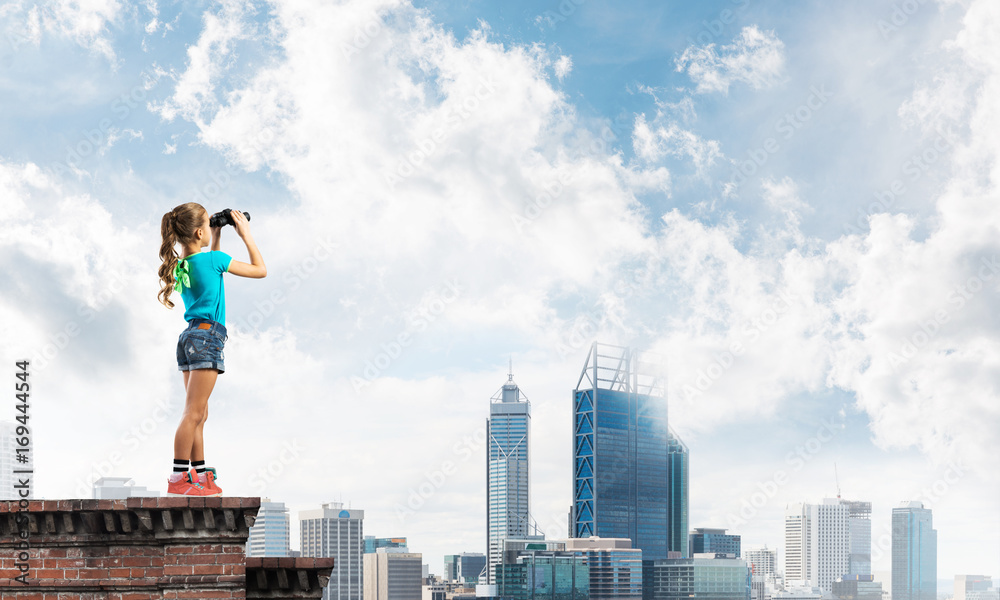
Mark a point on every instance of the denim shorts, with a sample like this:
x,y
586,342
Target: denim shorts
x,y
200,346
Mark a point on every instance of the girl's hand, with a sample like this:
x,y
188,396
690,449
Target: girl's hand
x,y
240,223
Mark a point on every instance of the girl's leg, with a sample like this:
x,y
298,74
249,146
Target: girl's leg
x,y
200,383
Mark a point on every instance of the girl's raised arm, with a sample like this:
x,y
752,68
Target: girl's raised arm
x,y
256,268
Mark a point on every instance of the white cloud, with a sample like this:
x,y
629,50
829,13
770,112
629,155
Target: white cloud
x,y
756,57
651,143
85,22
563,66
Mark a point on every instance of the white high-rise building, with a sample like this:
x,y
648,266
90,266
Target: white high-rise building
x,y
764,579
763,561
9,463
507,496
337,532
270,531
817,543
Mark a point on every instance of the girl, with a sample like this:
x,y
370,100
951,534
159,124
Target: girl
x,y
198,277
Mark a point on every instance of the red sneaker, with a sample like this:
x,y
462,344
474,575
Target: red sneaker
x,y
184,486
207,481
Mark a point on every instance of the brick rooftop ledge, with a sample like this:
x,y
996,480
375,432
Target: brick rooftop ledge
x,y
144,549
287,577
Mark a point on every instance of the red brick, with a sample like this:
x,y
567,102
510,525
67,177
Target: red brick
x,y
209,570
178,570
173,502
119,572
47,574
136,561
93,573
230,502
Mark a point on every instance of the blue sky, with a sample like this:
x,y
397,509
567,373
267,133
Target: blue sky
x,y
517,179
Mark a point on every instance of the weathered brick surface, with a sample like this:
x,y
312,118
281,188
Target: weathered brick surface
x,y
146,549
134,549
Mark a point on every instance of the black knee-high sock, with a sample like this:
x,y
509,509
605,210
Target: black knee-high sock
x,y
180,466
199,466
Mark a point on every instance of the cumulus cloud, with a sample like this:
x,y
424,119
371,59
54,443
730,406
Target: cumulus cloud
x,y
756,57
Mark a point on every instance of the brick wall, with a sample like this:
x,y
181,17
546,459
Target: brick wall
x,y
142,549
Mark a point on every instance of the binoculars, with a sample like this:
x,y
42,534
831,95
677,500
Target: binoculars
x,y
223,218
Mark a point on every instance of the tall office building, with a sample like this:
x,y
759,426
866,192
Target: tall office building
x,y
393,575
333,531
507,459
817,543
465,567
270,531
9,453
762,561
714,541
677,474
914,553
859,516
621,451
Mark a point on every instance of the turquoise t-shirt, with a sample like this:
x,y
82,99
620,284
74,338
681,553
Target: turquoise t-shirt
x,y
206,298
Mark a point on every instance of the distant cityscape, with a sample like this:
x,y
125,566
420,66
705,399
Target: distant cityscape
x,y
629,525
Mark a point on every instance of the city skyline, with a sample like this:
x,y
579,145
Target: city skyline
x,y
794,203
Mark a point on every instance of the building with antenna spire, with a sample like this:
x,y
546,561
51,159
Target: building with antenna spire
x,y
507,471
622,450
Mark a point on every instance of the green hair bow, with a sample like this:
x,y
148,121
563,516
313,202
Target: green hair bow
x,y
182,276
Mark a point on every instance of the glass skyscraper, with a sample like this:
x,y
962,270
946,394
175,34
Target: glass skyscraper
x,y
507,496
914,553
677,473
621,451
